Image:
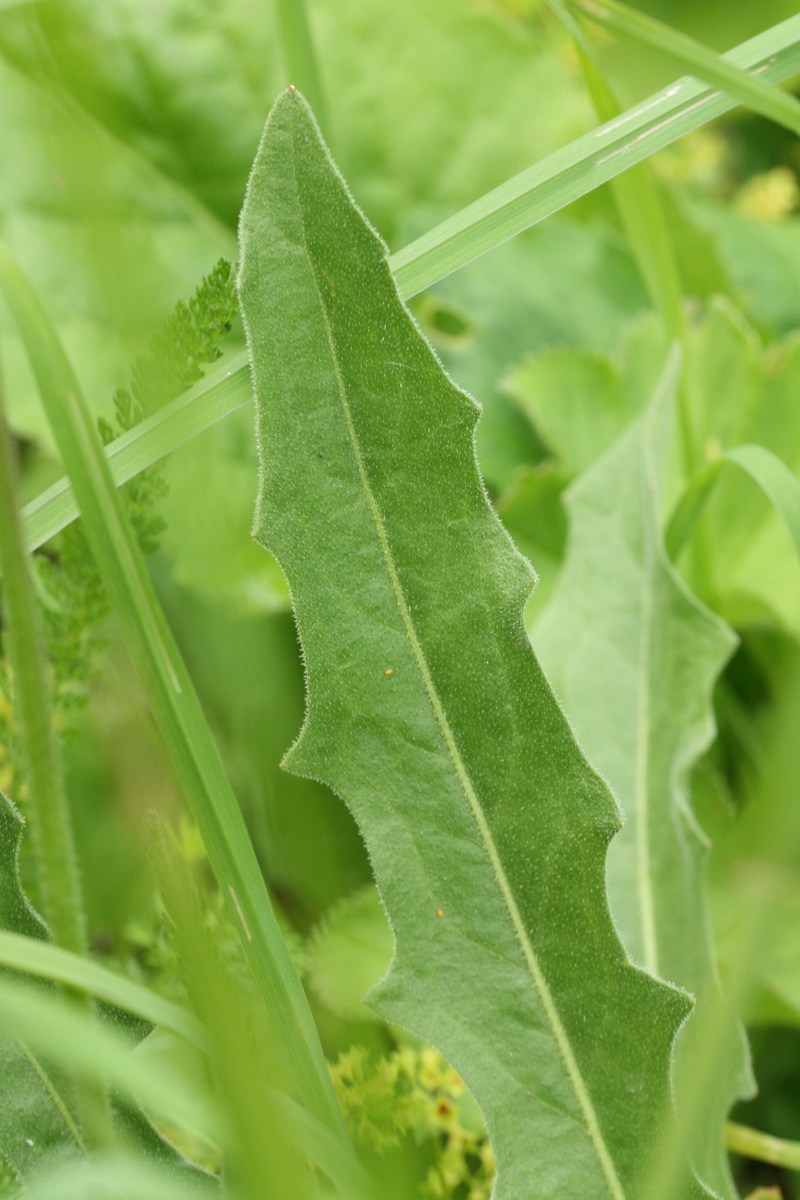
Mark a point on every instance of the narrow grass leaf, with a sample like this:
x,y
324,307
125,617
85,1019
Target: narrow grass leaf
x,y
530,197
641,214
766,470
586,163
77,1044
691,55
427,711
119,1177
620,613
31,957
174,702
219,393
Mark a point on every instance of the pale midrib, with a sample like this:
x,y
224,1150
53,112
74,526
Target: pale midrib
x,y
548,1004
644,882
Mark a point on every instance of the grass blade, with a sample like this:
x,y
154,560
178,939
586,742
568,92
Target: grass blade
x,y
691,55
79,1045
541,190
117,1177
586,163
175,706
51,829
32,957
220,393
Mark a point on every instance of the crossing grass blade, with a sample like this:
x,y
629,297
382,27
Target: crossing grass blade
x,y
541,190
32,957
174,703
72,1041
690,55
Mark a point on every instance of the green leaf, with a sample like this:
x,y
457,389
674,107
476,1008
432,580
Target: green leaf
x,y
17,914
427,711
93,1052
35,1124
637,624
348,952
117,1177
765,469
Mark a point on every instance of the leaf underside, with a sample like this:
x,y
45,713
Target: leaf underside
x,y
427,711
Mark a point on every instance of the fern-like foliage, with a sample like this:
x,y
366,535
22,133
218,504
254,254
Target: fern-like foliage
x,y
73,596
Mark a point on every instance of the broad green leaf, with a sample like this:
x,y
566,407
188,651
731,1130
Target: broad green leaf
x,y
348,952
763,259
621,613
580,402
743,562
427,711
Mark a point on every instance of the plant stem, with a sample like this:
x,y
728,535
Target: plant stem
x,y
752,1143
46,808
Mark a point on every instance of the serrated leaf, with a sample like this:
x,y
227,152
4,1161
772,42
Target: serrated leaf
x,y
620,612
427,710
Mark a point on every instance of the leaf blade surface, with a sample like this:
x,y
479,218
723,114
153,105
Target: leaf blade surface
x,y
620,612
427,710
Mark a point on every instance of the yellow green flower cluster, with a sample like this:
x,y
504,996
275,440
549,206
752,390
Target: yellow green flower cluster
x,y
417,1091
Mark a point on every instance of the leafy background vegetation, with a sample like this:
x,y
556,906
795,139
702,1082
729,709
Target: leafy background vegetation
x,y
129,134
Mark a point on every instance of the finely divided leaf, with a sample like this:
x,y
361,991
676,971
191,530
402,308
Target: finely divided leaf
x,y
633,657
427,710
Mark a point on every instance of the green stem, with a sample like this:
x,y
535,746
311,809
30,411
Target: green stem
x,y
752,1143
301,60
46,808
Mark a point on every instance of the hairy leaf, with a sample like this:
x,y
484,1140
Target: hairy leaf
x,y
620,613
427,710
